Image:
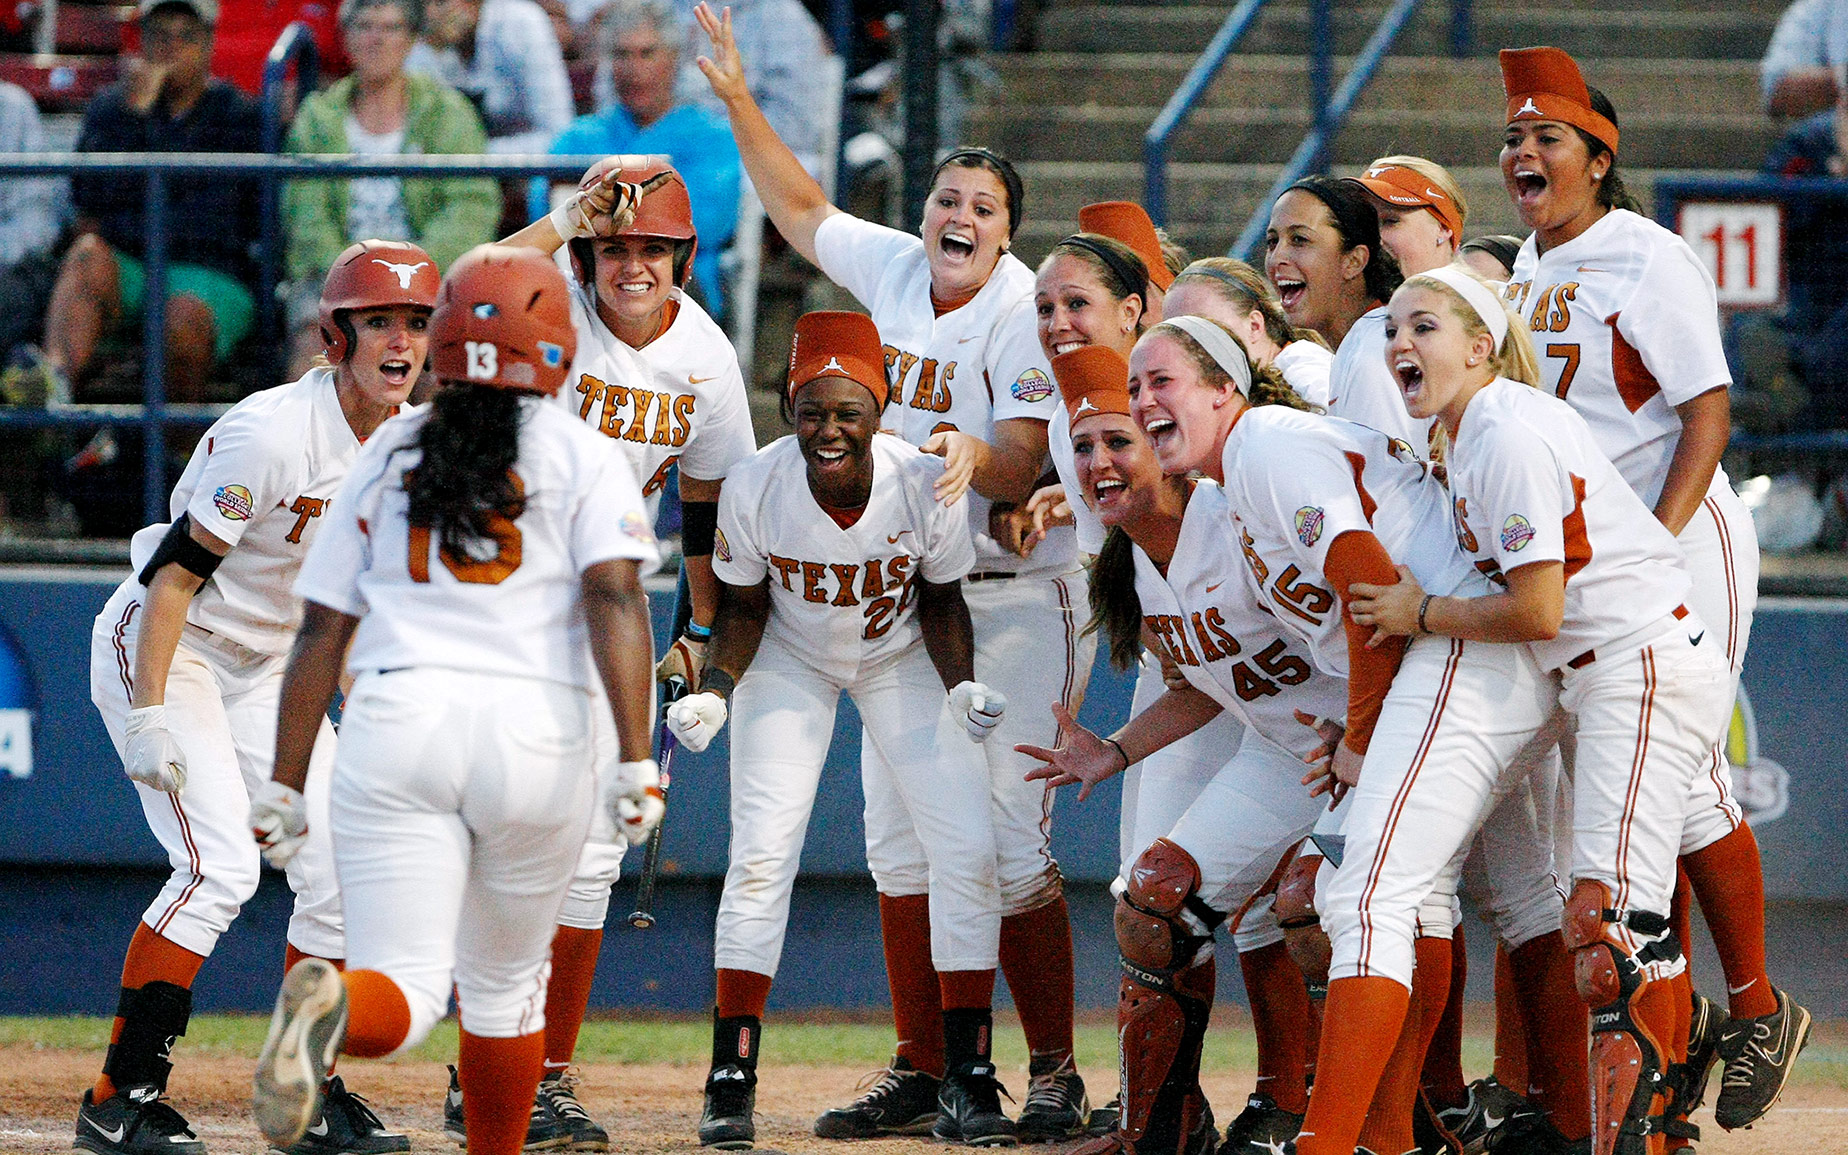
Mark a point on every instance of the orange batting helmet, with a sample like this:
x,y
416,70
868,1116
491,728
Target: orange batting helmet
x,y
503,319
665,212
372,275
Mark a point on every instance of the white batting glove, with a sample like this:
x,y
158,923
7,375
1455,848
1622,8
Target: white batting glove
x,y
602,210
684,660
149,754
639,804
696,719
279,822
978,708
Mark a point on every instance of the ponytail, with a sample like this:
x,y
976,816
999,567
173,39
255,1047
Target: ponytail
x,y
465,479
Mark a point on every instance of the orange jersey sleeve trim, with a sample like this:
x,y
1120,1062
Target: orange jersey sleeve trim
x,y
1358,556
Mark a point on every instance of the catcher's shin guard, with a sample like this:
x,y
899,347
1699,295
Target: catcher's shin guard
x,y
1629,1039
1165,933
1303,935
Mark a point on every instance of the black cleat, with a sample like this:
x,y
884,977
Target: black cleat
x,y
1103,1120
731,1099
1705,1030
1533,1134
548,1129
1491,1106
1261,1128
1056,1104
969,1108
134,1121
345,1126
453,1124
901,1100
558,1098
1759,1054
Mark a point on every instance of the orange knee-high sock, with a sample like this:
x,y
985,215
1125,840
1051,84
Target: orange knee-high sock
x,y
1558,1033
1681,912
378,1017
1442,1078
1389,1119
1361,1020
1036,959
567,996
917,1009
1510,1027
1280,1018
742,994
150,959
966,990
1729,880
1655,1009
1313,1043
499,1079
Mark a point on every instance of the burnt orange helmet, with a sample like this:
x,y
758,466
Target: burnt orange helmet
x,y
503,319
665,212
372,275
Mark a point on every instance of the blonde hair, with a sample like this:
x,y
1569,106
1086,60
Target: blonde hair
x,y
1516,359
1438,175
1267,385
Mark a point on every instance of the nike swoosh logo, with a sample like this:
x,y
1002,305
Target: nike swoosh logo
x,y
893,540
1590,269
114,1136
1732,990
692,380
1215,585
1695,640
1492,1121
966,340
319,1128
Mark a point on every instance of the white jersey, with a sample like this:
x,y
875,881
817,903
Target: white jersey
x,y
1206,617
1307,367
1297,481
679,399
974,366
1363,389
516,611
261,480
1089,530
1529,485
840,599
1625,321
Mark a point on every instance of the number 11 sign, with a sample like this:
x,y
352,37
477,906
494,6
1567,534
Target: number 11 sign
x,y
1742,245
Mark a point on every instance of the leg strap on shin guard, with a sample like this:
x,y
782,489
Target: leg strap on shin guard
x,y
153,1016
1303,937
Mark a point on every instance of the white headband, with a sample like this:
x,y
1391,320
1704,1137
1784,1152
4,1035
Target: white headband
x,y
1477,296
1219,345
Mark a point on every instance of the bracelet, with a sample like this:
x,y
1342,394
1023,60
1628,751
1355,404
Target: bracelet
x,y
1118,747
698,632
1423,608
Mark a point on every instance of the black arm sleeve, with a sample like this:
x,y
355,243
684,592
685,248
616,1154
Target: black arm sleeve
x,y
179,548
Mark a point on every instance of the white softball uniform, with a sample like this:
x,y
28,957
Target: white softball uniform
x,y
678,400
1642,675
261,480
843,618
974,366
1309,369
1626,321
1362,389
464,783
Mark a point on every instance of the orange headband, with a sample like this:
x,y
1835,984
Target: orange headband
x,y
1126,221
837,345
1093,379
1408,188
1544,84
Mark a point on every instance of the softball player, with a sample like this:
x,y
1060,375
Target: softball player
x,y
656,375
842,572
1592,583
1236,295
1625,317
484,554
969,383
186,661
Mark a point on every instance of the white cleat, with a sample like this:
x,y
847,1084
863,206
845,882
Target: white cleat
x,y
304,1037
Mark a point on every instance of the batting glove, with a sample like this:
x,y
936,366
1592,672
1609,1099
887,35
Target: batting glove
x,y
602,210
149,754
978,708
279,822
639,801
684,660
696,719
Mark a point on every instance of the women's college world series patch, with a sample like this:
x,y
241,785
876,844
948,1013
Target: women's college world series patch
x,y
1517,531
233,502
1033,385
1309,521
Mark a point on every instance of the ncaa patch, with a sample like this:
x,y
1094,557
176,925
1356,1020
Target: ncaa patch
x,y
1517,531
233,502
1032,386
636,526
721,548
1309,521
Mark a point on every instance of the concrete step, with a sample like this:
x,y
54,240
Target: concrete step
x,y
1727,33
1091,133
1252,80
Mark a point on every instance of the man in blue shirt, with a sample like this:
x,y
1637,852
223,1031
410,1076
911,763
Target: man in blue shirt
x,y
641,39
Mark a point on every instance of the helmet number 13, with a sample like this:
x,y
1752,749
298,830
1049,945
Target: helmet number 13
x,y
483,360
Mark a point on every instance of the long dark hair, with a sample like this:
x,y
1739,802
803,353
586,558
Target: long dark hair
x,y
465,478
1358,223
1116,608
1611,192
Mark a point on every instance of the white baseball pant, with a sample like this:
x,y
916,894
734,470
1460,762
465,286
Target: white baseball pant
x,y
1510,871
1721,546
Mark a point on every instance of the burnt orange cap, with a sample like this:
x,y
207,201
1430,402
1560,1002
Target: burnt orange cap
x,y
1127,222
1407,188
1544,84
837,345
1093,379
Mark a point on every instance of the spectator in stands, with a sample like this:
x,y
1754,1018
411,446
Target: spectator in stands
x,y
380,110
1802,71
781,44
504,55
1815,321
32,213
641,39
166,101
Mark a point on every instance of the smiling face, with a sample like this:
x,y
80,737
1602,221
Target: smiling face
x,y
1119,476
635,276
1552,177
836,419
388,353
1430,351
1076,309
1321,284
1185,418
964,230
1416,236
1194,297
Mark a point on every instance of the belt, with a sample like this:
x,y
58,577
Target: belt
x,y
1590,656
990,576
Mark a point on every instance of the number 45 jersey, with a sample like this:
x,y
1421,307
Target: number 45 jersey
x,y
841,597
509,605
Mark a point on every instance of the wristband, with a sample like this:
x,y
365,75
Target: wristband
x,y
698,632
1423,608
717,681
1118,747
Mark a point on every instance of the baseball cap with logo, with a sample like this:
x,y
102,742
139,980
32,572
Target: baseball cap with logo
x,y
1092,379
1544,84
1129,223
205,10
837,345
1405,187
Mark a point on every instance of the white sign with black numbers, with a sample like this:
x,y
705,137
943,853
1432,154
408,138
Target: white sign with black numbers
x,y
16,743
1742,245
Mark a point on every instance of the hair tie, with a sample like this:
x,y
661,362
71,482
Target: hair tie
x,y
1125,272
1220,345
1476,295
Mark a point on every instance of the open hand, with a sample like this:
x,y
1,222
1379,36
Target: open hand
x,y
959,452
724,68
1391,610
1081,756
